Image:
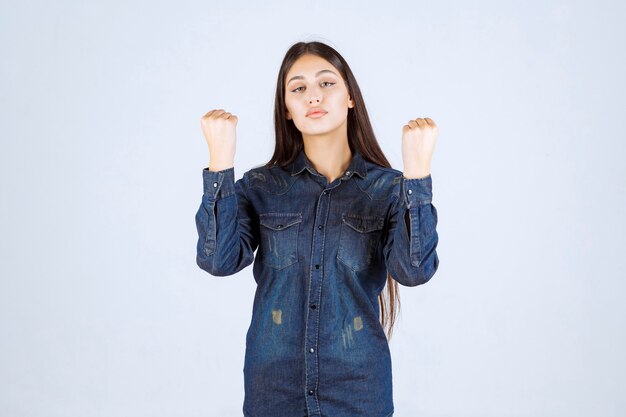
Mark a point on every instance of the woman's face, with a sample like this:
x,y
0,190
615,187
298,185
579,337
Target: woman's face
x,y
313,83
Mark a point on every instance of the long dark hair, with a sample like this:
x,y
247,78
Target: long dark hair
x,y
361,137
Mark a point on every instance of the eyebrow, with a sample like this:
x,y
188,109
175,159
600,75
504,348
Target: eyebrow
x,y
300,77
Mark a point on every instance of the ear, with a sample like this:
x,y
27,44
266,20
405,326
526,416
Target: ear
x,y
287,115
351,103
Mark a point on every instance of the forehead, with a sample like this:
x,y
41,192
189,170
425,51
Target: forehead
x,y
308,65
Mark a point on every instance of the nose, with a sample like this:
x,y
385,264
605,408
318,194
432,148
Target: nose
x,y
314,100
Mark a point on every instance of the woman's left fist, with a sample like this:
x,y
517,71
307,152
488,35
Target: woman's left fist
x,y
418,143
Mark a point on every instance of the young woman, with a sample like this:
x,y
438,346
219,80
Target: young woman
x,y
334,225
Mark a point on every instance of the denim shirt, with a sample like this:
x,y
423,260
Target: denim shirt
x,y
315,346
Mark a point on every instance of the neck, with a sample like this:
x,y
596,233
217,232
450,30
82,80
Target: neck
x,y
329,155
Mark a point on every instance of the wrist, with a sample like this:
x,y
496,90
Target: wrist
x,y
219,166
416,173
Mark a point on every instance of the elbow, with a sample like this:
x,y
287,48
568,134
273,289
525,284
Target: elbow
x,y
220,265
418,277
427,266
414,275
428,269
206,264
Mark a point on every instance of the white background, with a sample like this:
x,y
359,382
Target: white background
x,y
103,310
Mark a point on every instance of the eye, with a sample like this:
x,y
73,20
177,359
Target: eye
x,y
323,82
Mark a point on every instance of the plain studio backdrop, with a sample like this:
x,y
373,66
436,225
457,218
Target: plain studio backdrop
x,y
103,310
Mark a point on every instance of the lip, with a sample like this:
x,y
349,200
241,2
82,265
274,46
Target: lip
x,y
316,113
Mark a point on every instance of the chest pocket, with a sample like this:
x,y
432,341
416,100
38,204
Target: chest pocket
x,y
279,239
358,240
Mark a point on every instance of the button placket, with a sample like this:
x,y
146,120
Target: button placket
x,y
316,276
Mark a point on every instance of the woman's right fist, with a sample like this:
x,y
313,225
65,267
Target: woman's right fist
x,y
219,129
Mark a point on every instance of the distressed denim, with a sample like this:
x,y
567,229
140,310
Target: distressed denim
x,y
315,346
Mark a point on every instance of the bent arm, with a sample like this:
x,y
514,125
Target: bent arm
x,y
225,224
410,244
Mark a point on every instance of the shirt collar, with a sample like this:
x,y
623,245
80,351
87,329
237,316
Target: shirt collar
x,y
357,165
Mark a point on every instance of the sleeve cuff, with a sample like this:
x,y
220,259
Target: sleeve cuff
x,y
417,191
218,184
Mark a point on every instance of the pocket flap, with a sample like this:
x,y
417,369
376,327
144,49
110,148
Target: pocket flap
x,y
363,224
279,221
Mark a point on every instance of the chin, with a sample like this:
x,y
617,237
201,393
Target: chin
x,y
314,132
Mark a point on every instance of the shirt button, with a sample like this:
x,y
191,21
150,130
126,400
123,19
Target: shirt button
x,y
410,191
310,392
311,350
214,185
347,172
321,226
313,306
279,226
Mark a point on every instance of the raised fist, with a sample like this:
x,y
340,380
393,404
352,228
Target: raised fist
x,y
219,129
